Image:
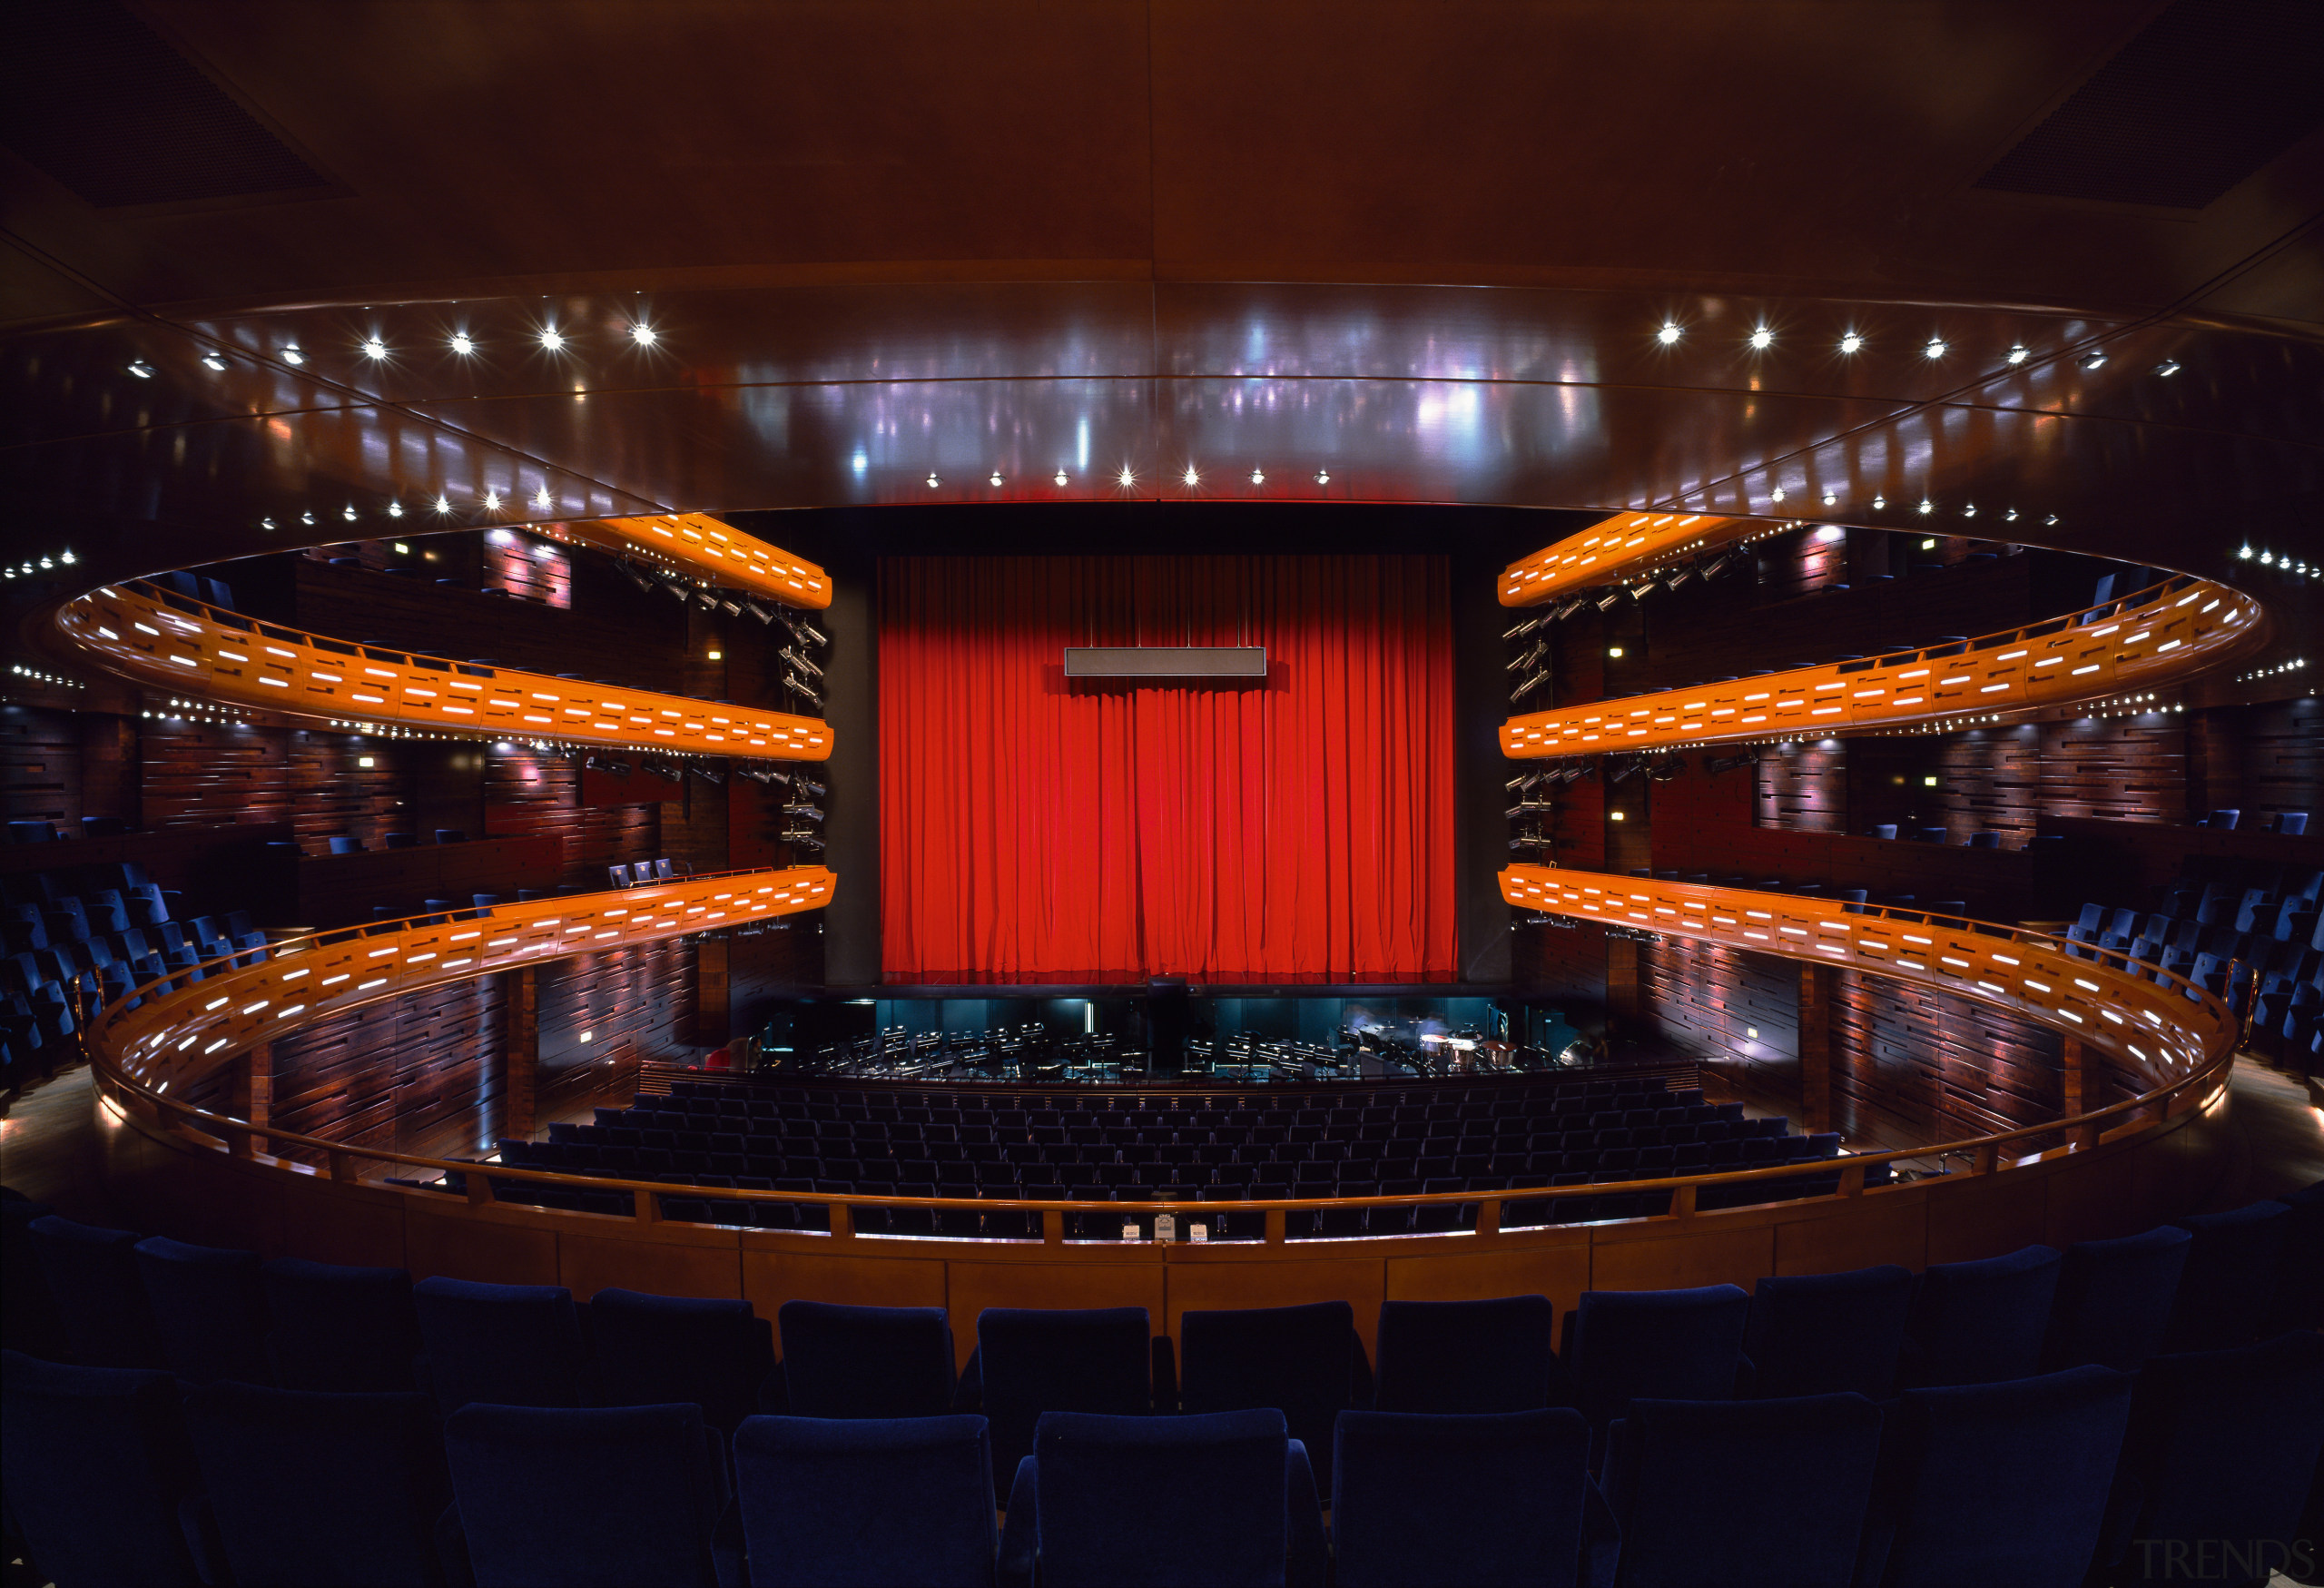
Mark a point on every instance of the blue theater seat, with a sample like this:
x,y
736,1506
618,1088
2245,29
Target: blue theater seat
x,y
1497,1499
2229,1279
1468,1357
210,1309
340,1328
597,1497
1667,1345
1997,1482
100,1298
2223,1448
2113,1299
1820,1334
875,1362
2299,1273
818,1501
1302,1361
1030,1363
505,1345
659,1350
335,1491
1243,1507
1980,1322
95,1466
1768,1493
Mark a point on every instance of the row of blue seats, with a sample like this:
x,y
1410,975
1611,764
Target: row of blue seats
x,y
2087,1474
2229,819
2012,1446
918,1102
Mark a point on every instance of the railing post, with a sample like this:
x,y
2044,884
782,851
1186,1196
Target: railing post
x,y
480,1186
342,1165
1682,1200
1852,1180
1275,1226
843,1222
1052,1226
1489,1216
646,1205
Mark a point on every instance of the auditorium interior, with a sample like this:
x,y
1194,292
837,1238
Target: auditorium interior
x,y
1573,745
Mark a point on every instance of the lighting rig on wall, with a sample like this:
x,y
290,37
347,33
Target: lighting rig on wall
x,y
2294,665
33,568
2284,563
35,675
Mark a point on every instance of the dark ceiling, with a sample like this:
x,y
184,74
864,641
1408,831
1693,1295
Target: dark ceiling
x,y
1422,248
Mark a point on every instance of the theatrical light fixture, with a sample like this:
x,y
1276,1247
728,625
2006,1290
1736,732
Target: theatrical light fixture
x,y
291,355
2019,354
140,369
211,361
1763,338
1669,334
552,339
1851,343
462,343
373,348
1936,348
642,334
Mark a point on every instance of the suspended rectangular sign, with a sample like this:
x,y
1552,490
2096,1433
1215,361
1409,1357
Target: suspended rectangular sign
x,y
1165,662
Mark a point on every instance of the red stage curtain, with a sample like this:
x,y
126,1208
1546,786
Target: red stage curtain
x,y
1037,830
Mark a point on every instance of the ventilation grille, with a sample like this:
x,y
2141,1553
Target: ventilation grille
x,y
95,98
2201,97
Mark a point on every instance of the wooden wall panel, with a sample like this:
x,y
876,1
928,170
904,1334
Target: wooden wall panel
x,y
538,796
40,765
1912,1066
344,889
208,774
631,1005
1804,788
420,1074
1707,1001
2257,758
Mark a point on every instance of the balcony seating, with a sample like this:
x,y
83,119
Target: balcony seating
x,y
92,1275
1664,1344
95,1466
610,1496
817,1501
2113,1299
353,1330
1823,1333
1497,1499
1465,1357
1998,1483
2223,1445
1766,1493
505,1345
209,1307
315,1488
1304,1361
1028,1363
659,1350
1979,1322
2224,1296
1243,1506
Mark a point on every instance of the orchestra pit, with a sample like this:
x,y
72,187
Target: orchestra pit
x,y
1157,792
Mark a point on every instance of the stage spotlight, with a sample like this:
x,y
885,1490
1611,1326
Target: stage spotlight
x,y
811,813
804,784
806,841
1639,592
1605,601
798,659
804,632
1728,762
637,576
757,611
1529,685
798,685
708,773
605,764
1525,628
1668,768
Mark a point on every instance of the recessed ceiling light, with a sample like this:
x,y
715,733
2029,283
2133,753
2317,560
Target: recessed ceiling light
x,y
1258,477
1775,495
1126,479
1191,477
1323,477
1831,498
2019,354
1062,478
2168,367
552,339
1763,338
373,348
1936,348
214,360
1851,343
932,480
291,355
2094,360
541,498
1667,334
394,509
642,334
491,501
140,369
463,343
1927,506
1880,501
349,513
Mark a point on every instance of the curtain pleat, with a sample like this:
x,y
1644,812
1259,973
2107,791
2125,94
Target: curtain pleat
x,y
1036,830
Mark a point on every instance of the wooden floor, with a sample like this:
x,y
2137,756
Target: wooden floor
x,y
48,1141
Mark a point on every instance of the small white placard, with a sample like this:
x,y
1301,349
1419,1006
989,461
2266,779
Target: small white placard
x,y
1199,1233
1129,1229
1166,1227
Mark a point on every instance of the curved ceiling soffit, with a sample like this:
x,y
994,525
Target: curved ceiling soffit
x,y
2106,435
